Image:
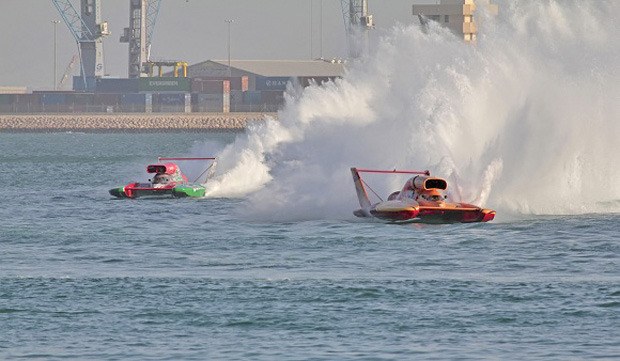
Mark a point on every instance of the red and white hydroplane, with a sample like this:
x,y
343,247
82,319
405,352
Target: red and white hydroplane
x,y
421,199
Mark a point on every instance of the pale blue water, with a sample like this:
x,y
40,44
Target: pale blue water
x,y
86,276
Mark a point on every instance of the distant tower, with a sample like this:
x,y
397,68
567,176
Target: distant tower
x,y
456,15
142,18
88,31
357,22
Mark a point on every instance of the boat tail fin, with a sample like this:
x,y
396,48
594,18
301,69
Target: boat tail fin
x,y
208,173
362,195
211,170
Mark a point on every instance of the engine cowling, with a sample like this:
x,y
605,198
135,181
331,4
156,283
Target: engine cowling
x,y
168,168
427,183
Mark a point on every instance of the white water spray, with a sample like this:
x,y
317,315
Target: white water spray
x,y
526,121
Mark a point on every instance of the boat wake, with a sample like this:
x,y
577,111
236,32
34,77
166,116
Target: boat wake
x,y
526,121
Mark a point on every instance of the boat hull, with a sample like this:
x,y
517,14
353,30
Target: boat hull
x,y
455,215
395,211
408,212
421,199
147,192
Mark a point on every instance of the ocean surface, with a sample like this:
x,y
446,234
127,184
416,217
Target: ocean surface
x,y
87,276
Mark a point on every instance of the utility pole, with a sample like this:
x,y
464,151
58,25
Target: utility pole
x,y
229,21
321,31
311,30
55,23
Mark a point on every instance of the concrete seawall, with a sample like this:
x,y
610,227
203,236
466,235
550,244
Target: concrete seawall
x,y
129,122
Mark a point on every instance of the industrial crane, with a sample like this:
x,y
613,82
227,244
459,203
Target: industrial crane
x,y
139,34
74,59
357,22
88,31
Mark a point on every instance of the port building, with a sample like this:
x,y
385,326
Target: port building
x,y
456,15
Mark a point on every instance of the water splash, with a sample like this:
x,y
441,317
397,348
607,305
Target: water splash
x,y
525,121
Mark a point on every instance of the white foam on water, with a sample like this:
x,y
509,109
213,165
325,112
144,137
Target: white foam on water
x,y
527,121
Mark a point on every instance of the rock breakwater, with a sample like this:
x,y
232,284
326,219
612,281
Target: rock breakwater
x,y
130,122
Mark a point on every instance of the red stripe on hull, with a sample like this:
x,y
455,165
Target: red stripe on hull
x,y
395,216
436,215
455,215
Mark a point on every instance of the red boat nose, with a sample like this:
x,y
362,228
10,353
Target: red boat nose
x,y
488,215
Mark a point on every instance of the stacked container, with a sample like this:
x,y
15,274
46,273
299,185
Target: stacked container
x,y
133,102
211,96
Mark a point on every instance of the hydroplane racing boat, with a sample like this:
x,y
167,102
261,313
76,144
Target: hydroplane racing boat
x,y
167,181
421,199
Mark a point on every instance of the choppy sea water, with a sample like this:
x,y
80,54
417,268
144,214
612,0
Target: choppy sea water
x,y
86,276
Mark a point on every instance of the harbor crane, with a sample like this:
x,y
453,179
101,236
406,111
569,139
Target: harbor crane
x,y
74,59
357,23
139,34
88,31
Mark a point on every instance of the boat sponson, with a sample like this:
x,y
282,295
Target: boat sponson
x,y
454,215
189,191
118,192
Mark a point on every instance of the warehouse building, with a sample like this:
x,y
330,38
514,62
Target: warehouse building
x,y
268,74
259,85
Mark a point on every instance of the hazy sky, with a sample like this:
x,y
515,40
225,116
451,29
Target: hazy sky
x,y
190,30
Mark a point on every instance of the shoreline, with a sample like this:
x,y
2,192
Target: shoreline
x,y
130,122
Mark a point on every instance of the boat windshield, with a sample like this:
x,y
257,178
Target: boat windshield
x,y
433,197
161,179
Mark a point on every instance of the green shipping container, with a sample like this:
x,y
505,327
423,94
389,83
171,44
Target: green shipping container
x,y
176,85
6,99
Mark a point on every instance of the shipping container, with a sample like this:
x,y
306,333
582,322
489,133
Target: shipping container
x,y
210,86
272,83
107,103
169,102
81,98
80,102
235,101
164,84
148,101
133,102
236,83
132,98
226,103
6,103
79,85
245,84
196,103
117,85
236,97
49,102
53,98
274,97
104,99
7,99
208,102
252,97
27,103
188,103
